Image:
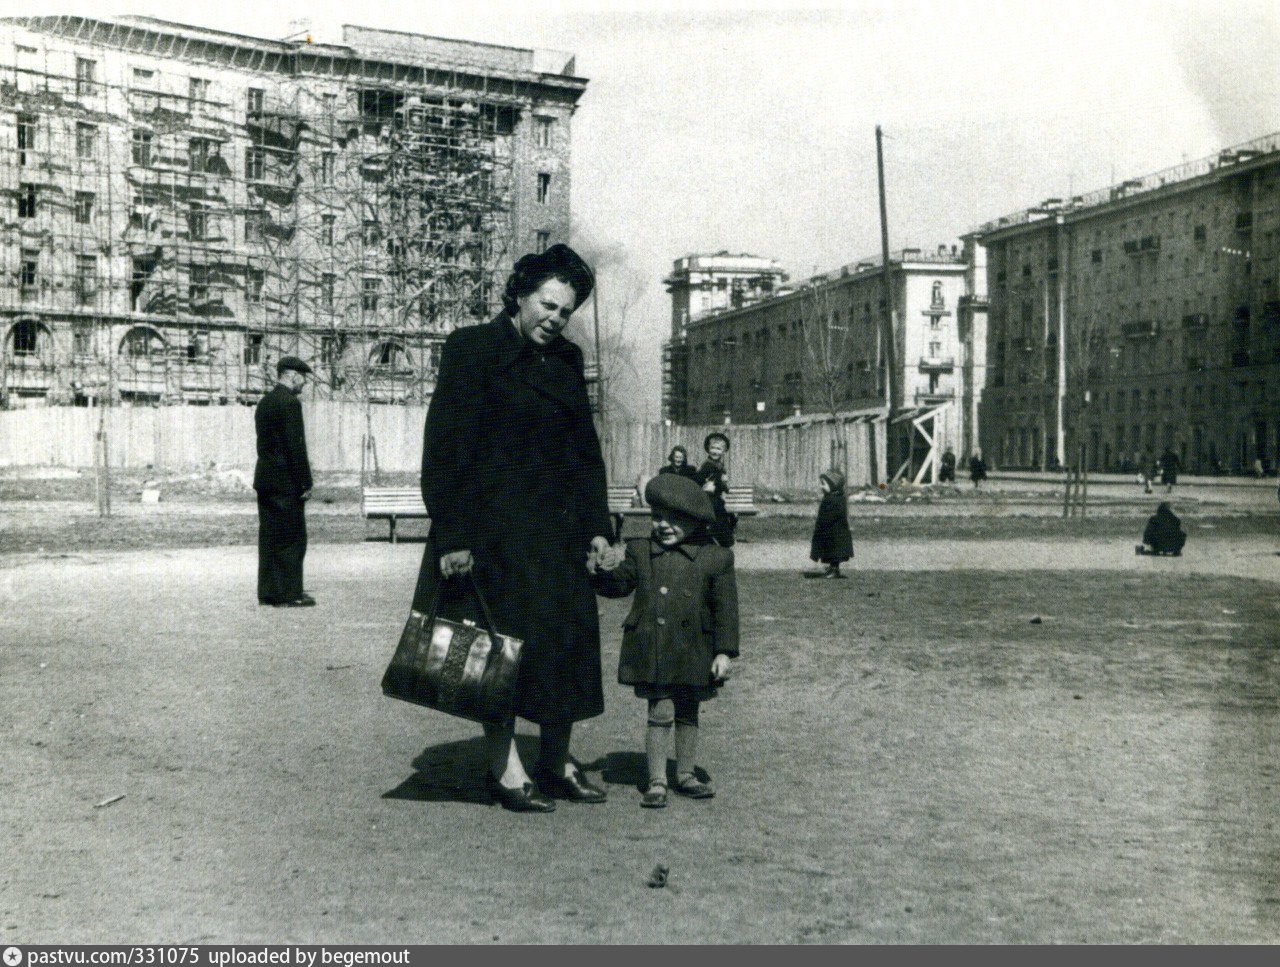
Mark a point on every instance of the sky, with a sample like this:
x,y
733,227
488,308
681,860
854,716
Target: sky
x,y
750,127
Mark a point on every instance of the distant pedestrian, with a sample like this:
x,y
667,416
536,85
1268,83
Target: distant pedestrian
x,y
1259,470
282,478
678,462
1163,533
832,543
713,477
1170,465
947,470
1147,469
681,636
977,469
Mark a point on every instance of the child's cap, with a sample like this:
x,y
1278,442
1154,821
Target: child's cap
x,y
833,477
674,492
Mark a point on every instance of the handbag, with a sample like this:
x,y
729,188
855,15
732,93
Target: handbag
x,y
456,667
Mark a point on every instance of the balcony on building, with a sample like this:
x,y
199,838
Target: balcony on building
x,y
924,397
937,364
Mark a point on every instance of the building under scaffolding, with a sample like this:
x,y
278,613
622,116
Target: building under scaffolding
x,y
183,206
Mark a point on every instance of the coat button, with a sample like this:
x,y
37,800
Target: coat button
x,y
662,621
662,590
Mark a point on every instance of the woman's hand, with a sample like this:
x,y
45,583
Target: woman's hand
x,y
455,562
598,554
721,668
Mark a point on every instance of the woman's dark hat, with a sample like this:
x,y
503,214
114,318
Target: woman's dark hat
x,y
670,491
294,363
716,435
834,477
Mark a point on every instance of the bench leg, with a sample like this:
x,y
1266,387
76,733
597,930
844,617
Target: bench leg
x,y
393,530
617,528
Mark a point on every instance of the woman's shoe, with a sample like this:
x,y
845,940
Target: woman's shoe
x,y
573,787
520,799
694,788
655,797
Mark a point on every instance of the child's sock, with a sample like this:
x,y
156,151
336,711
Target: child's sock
x,y
686,749
657,739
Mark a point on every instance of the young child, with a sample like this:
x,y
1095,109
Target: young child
x,y
681,636
832,543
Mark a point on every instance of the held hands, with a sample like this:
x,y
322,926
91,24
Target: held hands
x,y
604,556
721,668
455,562
710,486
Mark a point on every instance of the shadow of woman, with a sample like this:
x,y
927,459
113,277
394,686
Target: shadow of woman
x,y
454,772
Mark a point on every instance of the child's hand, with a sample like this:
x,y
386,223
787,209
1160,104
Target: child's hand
x,y
612,557
721,668
709,486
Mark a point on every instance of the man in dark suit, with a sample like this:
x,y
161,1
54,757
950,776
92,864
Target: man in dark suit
x,y
282,479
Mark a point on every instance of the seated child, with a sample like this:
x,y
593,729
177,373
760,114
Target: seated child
x,y
680,638
1163,534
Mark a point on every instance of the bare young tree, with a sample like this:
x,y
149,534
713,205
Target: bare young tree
x,y
828,340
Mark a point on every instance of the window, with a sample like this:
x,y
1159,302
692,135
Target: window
x,y
142,148
328,349
198,345
326,168
26,338
86,75
326,290
198,90
544,187
255,220
1199,233
254,100
198,152
29,268
542,240
84,207
86,279
198,284
143,74
26,200
81,339
141,342
26,136
255,164
371,232
197,221
326,228
545,132
253,349
253,282
935,350
1096,256
86,140
369,294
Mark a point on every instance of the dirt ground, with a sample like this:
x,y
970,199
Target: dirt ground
x,y
905,756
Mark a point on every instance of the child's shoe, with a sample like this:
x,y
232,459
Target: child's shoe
x,y
655,797
693,787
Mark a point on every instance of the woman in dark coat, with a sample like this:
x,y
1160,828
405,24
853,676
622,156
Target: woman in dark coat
x,y
678,462
714,479
832,544
514,480
977,468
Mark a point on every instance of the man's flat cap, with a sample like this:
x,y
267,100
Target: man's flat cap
x,y
680,494
294,363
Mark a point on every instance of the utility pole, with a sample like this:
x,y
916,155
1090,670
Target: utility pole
x,y
1062,342
890,337
600,398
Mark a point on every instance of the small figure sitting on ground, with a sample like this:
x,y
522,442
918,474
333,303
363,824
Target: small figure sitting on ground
x,y
832,543
1163,534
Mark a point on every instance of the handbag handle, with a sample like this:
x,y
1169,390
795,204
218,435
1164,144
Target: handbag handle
x,y
484,609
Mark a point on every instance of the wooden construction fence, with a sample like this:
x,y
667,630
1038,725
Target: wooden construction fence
x,y
195,437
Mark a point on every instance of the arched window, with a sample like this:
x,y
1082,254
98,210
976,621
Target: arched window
x,y
142,342
28,338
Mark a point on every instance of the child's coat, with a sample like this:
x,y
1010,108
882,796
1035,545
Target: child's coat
x,y
685,611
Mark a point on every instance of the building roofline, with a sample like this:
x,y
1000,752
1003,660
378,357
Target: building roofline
x,y
1224,163
71,27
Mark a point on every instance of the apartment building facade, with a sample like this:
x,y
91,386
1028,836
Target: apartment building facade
x,y
818,348
186,205
1139,318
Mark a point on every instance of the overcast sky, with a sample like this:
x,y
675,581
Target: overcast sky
x,y
750,126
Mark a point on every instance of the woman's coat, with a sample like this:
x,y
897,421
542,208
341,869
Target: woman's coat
x,y
512,471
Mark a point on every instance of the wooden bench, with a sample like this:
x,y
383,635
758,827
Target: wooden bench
x,y
625,502
392,503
